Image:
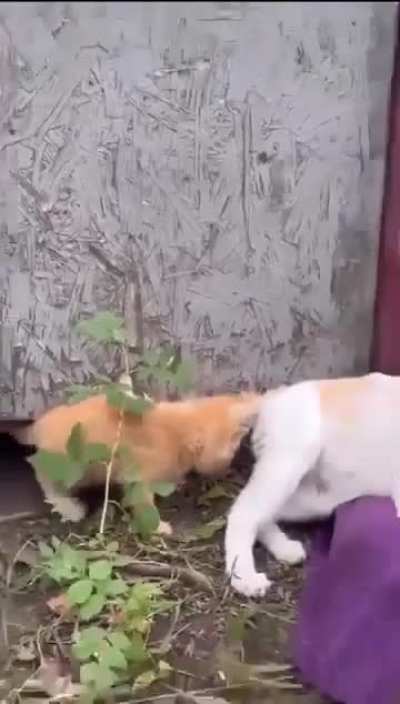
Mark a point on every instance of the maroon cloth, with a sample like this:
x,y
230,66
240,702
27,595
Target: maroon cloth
x,y
347,637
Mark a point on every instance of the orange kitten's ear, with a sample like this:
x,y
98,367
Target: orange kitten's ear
x,y
245,411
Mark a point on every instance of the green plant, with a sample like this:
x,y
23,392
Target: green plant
x,y
90,582
93,588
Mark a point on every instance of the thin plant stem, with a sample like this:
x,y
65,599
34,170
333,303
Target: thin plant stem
x,y
108,473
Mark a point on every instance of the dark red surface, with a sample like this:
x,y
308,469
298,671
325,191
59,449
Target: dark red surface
x,y
385,355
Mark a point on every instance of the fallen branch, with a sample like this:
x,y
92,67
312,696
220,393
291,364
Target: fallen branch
x,y
20,516
34,688
188,575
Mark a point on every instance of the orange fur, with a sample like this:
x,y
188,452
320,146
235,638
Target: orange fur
x,y
340,397
166,442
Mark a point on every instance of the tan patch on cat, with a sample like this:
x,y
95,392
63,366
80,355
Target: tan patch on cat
x,y
341,397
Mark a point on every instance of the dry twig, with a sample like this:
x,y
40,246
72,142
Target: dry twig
x,y
187,575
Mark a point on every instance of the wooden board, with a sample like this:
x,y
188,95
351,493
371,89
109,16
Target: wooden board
x,y
224,161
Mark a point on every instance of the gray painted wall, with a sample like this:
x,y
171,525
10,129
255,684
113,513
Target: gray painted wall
x,y
221,160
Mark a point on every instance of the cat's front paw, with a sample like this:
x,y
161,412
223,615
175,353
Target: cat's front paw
x,y
253,585
292,552
164,529
69,509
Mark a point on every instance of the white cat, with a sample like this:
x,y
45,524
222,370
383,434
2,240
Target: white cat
x,y
317,444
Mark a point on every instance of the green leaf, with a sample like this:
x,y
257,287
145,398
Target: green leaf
x,y
147,520
150,358
162,488
96,452
79,392
98,676
183,376
208,530
130,467
88,642
100,570
139,624
120,640
164,669
104,327
219,491
75,559
145,679
80,591
45,550
113,546
66,564
144,592
112,657
136,494
57,467
92,607
144,374
133,475
118,398
124,454
116,587
163,376
75,443
136,653
236,625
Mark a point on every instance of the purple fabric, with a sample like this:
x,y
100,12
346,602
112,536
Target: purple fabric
x,y
347,638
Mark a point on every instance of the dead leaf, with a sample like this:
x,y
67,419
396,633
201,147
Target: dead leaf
x,y
28,556
56,678
237,623
206,531
59,605
216,492
238,672
25,651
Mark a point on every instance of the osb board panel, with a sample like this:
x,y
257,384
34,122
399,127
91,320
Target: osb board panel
x,y
226,159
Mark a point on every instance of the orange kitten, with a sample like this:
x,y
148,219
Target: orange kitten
x,y
167,441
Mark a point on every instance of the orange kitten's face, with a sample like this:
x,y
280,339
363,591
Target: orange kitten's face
x,y
225,423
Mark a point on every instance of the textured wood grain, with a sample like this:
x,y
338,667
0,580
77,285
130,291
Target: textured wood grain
x,y
224,158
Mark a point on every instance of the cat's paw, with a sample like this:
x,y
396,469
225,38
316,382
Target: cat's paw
x,y
164,528
69,509
253,585
292,552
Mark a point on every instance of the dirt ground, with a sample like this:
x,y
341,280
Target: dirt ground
x,y
196,632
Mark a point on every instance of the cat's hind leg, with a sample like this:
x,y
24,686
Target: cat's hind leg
x,y
68,507
283,548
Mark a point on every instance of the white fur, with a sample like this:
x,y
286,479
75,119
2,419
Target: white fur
x,y
68,507
300,445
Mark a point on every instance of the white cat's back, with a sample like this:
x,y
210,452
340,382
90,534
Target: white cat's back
x,y
360,431
348,427
290,417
